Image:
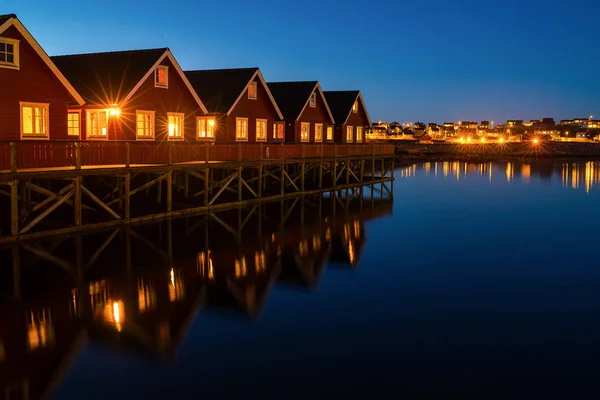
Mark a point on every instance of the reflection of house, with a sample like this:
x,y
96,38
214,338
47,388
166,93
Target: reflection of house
x,y
348,243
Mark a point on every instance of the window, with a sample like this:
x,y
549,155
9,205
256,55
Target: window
x,y
278,130
34,120
161,77
359,134
304,131
261,129
73,123
206,128
318,132
349,134
330,133
355,107
97,122
9,53
313,100
145,124
252,91
241,129
175,125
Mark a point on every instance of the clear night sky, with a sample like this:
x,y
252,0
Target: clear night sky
x,y
413,60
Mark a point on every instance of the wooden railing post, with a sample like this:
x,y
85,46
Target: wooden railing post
x,y
127,155
77,155
335,150
13,157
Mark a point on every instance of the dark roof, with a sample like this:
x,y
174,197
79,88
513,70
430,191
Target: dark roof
x,y
340,104
219,88
107,77
6,17
291,97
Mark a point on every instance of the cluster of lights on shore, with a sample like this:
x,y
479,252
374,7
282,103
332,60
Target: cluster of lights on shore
x,y
482,140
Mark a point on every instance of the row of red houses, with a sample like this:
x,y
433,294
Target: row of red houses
x,y
144,95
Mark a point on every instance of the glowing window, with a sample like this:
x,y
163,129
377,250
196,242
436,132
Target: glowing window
x,y
318,132
34,120
161,77
145,124
304,131
241,128
313,100
252,91
278,130
175,125
330,133
73,123
206,128
261,129
359,134
349,134
355,107
97,123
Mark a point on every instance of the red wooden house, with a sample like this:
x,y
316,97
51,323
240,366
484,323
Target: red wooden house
x,y
131,95
240,104
305,111
34,94
350,114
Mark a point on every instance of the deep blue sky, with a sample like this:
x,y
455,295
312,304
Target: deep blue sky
x,y
414,60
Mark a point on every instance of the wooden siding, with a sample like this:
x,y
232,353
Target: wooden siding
x,y
312,115
33,82
355,119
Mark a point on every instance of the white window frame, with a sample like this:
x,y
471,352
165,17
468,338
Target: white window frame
x,y
161,85
152,124
34,136
359,134
182,128
15,43
275,125
329,127
350,134
312,102
88,133
78,112
264,123
255,91
207,121
239,138
318,127
302,126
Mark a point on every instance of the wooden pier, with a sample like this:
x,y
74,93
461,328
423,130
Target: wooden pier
x,y
49,188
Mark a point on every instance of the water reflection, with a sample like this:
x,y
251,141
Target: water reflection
x,y
142,286
574,175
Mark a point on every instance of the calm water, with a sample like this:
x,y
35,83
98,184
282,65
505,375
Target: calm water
x,y
472,278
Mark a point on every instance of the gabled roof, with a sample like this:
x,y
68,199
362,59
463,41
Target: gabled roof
x,y
9,20
293,97
114,77
222,89
340,103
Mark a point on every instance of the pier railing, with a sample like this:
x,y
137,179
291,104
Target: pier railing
x,y
63,154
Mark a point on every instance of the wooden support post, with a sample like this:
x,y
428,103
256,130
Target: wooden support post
x,y
120,192
282,178
260,179
14,207
373,170
240,184
79,258
382,168
186,183
170,191
321,174
170,241
334,175
13,157
23,198
159,192
362,171
260,152
128,248
77,203
347,172
127,196
127,155
16,270
77,155
303,150
206,185
302,171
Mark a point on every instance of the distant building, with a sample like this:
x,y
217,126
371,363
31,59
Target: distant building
x,y
514,123
448,129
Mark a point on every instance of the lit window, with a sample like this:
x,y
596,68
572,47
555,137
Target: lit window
x,y
304,131
175,125
252,90
260,261
97,123
349,134
330,133
176,288
355,107
318,132
313,100
161,77
205,265
261,129
359,134
240,267
146,295
241,128
145,124
40,330
34,120
278,130
206,128
73,123
9,53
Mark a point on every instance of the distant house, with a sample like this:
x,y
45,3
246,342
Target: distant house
x,y
34,94
131,95
240,105
305,111
350,115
